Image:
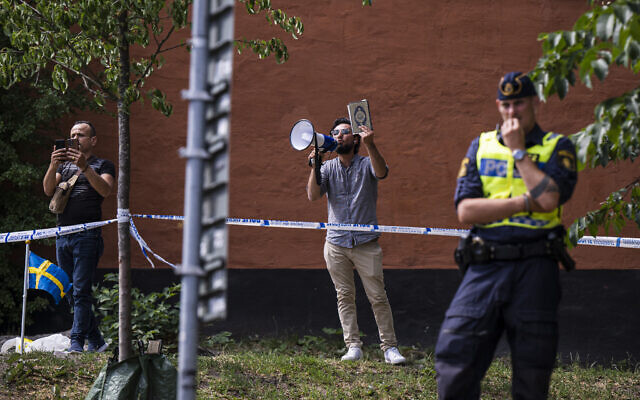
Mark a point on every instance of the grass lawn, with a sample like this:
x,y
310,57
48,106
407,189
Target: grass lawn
x,y
304,368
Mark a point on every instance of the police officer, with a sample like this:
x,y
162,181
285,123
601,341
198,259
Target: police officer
x,y
511,187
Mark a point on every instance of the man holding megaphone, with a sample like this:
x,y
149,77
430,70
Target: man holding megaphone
x,y
350,182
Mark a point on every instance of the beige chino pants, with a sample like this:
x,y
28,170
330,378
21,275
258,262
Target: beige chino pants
x,y
367,260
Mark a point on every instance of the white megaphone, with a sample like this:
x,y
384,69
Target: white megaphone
x,y
301,137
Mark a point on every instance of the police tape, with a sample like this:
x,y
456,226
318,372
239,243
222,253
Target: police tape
x,y
35,234
347,227
144,247
605,241
166,217
123,216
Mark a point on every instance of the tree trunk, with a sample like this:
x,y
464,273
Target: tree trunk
x,y
124,243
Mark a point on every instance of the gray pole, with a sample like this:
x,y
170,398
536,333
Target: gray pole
x,y
204,242
190,268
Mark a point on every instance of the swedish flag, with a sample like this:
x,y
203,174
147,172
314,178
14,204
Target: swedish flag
x,y
45,275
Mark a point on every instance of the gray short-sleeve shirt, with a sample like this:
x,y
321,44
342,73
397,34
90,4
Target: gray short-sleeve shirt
x,y
352,194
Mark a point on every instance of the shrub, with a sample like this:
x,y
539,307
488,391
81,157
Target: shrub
x,y
153,316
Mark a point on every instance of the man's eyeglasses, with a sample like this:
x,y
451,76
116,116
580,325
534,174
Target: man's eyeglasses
x,y
344,131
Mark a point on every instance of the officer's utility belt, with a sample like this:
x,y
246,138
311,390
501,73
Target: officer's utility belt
x,y
474,250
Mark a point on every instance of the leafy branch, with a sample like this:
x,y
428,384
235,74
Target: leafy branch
x,y
612,212
41,33
607,35
275,45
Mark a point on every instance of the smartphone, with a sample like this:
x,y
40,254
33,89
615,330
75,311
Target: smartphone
x,y
73,144
61,144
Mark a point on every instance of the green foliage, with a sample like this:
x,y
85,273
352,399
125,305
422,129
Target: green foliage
x,y
280,369
607,35
27,122
600,37
19,372
612,212
152,315
39,375
274,16
294,368
220,338
331,343
87,39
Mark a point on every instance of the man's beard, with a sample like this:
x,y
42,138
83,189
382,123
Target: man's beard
x,y
344,148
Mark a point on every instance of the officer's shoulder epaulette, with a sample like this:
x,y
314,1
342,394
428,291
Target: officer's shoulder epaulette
x,y
552,135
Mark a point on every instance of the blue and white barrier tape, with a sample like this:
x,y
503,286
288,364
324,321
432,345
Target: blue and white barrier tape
x,y
606,241
22,236
609,241
123,215
346,227
169,217
145,247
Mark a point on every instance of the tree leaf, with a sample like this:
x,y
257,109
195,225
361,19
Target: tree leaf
x,y
600,68
622,12
604,26
562,86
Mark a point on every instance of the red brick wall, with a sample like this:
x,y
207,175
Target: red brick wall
x,y
429,70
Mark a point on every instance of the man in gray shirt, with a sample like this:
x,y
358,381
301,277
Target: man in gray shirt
x,y
351,184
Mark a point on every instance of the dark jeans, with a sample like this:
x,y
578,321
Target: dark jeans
x,y
78,255
517,297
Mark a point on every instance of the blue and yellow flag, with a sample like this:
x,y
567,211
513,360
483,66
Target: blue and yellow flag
x,y
45,275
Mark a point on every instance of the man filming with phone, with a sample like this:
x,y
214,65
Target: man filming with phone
x,y
78,253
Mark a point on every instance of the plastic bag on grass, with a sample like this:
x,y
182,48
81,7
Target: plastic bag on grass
x,y
142,377
55,342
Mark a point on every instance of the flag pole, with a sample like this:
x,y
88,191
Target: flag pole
x,y
24,293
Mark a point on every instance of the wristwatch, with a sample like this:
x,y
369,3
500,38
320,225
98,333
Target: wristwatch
x,y
518,154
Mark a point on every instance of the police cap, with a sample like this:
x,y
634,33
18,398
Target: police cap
x,y
515,85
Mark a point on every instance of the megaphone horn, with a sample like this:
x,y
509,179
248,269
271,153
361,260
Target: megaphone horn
x,y
301,137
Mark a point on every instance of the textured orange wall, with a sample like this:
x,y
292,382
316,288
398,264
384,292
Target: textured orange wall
x,y
429,70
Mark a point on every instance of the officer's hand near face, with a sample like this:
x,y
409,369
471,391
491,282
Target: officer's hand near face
x,y
512,134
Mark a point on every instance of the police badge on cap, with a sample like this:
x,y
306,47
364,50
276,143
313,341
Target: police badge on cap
x,y
515,85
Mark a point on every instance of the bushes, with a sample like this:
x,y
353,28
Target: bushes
x,y
153,316
29,116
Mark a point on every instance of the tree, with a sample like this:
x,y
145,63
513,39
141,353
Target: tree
x,y
26,113
90,40
607,35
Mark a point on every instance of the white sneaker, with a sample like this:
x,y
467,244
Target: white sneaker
x,y
353,354
393,356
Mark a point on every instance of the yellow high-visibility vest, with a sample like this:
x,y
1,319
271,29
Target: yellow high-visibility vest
x,y
501,180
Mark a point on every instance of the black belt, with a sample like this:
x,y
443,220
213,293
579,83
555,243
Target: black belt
x,y
482,252
474,250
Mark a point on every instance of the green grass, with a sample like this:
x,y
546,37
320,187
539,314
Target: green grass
x,y
306,367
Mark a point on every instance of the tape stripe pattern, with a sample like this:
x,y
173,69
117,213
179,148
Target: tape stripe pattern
x,y
603,241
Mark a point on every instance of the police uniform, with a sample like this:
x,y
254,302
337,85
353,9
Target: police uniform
x,y
515,288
